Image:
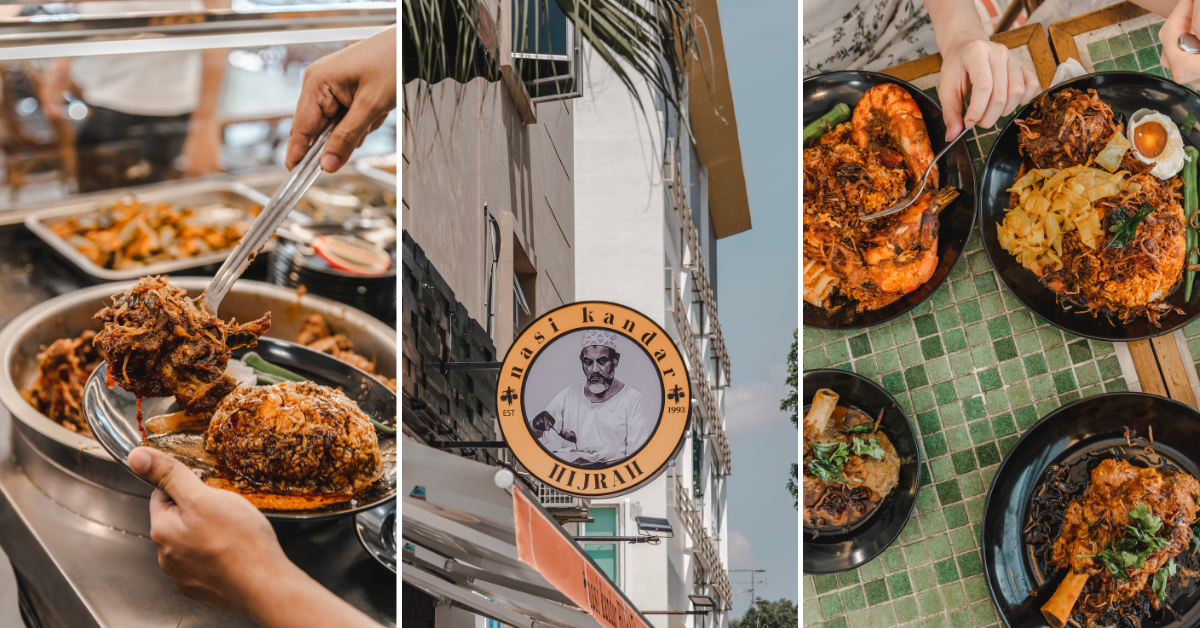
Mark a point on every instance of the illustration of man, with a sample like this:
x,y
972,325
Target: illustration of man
x,y
599,420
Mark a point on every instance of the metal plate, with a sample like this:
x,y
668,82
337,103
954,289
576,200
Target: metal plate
x,y
187,194
374,167
821,94
112,415
377,531
382,216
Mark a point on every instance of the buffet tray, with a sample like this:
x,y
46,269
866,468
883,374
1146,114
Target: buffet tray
x,y
267,181
374,167
185,194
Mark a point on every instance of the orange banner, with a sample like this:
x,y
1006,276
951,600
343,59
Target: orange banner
x,y
545,546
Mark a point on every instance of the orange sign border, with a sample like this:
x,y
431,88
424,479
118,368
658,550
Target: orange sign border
x,y
653,457
545,546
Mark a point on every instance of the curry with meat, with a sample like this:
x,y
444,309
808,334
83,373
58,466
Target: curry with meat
x,y
130,233
1119,542
849,465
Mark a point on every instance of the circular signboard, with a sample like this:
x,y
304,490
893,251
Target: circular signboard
x,y
594,399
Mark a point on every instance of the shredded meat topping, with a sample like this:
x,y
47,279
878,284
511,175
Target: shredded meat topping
x,y
62,370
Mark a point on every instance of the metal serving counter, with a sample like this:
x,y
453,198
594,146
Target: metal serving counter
x,y
75,572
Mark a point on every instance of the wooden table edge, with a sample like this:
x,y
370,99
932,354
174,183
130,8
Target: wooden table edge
x,y
1062,33
1032,35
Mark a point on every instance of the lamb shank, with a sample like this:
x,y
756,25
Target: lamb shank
x,y
157,342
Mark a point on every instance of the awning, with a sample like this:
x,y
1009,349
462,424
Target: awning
x,y
461,542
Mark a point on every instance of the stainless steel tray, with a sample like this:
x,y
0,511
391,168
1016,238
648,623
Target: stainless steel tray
x,y
185,194
269,180
374,167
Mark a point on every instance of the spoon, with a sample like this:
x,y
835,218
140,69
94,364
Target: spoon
x,y
912,198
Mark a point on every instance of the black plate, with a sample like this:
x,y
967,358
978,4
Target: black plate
x,y
112,415
835,553
1091,428
822,93
1125,92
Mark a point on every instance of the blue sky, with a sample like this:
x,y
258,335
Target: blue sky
x,y
757,275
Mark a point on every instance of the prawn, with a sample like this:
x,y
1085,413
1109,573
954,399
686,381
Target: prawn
x,y
888,111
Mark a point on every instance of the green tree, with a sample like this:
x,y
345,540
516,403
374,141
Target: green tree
x,y
791,404
781,613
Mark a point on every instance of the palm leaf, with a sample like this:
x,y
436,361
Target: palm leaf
x,y
656,41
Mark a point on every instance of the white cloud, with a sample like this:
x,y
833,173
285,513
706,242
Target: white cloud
x,y
756,404
741,552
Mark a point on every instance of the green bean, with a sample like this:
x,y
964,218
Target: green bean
x,y
1189,207
383,429
838,115
266,379
254,360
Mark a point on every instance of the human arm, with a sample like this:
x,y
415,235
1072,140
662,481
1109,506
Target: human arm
x,y
360,78
52,83
975,69
220,550
202,148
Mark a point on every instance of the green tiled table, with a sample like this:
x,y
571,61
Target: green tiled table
x,y
1122,37
973,369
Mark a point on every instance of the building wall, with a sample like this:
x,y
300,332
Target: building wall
x,y
466,144
618,196
628,247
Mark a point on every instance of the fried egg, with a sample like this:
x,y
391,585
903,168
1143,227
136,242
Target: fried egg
x,y
1156,140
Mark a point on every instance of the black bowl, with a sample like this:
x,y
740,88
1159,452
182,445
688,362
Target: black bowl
x,y
1084,431
821,94
112,416
1125,92
827,553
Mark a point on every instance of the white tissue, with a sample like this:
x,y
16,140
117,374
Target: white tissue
x,y
1067,71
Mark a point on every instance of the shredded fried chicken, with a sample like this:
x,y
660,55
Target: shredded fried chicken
x,y
294,438
158,343
62,370
1066,128
1135,280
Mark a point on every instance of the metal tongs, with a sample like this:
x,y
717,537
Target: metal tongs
x,y
269,219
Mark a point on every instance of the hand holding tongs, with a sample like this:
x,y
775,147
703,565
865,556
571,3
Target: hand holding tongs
x,y
269,219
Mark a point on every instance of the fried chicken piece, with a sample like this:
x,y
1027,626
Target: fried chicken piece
x,y
1066,128
62,370
158,343
316,334
294,438
312,329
